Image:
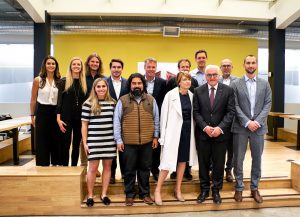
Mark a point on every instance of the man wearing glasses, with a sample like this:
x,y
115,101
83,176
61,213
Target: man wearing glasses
x,y
213,105
227,78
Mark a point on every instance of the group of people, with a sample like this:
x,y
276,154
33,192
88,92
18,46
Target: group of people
x,y
155,125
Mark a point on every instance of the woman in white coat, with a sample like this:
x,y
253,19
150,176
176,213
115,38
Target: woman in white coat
x,y
177,135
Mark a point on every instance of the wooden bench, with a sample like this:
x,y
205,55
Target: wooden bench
x,y
295,117
14,125
275,116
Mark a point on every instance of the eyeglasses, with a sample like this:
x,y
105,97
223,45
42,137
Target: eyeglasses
x,y
212,75
226,66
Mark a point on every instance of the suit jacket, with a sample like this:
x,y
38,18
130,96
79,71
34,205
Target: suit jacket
x,y
231,78
263,103
124,89
171,84
220,115
159,91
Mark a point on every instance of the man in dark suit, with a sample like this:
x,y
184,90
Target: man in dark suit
x,y
157,88
226,78
117,87
213,105
253,101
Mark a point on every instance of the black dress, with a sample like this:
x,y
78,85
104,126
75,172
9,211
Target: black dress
x,y
185,136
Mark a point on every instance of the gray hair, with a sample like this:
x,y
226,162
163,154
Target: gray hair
x,y
208,67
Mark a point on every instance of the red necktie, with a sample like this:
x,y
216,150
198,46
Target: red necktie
x,y
212,96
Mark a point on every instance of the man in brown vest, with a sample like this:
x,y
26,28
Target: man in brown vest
x,y
136,131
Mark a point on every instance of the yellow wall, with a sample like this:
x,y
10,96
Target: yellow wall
x,y
135,48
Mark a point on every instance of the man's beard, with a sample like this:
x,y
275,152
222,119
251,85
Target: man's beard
x,y
251,72
137,92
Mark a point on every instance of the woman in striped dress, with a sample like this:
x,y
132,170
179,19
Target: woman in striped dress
x,y
97,137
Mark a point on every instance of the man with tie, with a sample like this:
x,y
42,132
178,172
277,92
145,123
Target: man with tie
x,y
227,78
156,87
117,87
253,101
213,105
198,73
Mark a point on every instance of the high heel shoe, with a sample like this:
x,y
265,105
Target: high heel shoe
x,y
157,202
181,199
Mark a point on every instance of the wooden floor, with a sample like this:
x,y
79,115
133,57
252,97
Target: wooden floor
x,y
30,190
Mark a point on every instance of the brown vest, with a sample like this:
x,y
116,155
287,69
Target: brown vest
x,y
137,121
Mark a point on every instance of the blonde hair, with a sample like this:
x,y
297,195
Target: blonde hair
x,y
93,98
70,79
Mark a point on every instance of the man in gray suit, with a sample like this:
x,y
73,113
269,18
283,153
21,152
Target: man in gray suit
x,y
226,78
253,99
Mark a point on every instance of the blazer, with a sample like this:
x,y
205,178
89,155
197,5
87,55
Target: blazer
x,y
124,89
263,104
231,78
159,91
220,115
170,129
171,84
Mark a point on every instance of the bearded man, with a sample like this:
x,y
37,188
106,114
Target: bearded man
x,y
136,131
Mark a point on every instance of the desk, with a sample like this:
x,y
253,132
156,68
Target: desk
x,y
295,117
13,125
275,116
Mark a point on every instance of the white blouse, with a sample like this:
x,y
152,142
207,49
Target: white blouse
x,y
48,94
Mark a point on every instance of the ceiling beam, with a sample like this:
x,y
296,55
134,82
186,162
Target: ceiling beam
x,y
287,11
35,9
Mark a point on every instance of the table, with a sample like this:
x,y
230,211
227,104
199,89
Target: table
x,y
275,116
13,125
295,117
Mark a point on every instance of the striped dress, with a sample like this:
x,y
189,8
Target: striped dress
x,y
100,139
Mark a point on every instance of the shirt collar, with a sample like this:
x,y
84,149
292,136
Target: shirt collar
x,y
209,87
120,79
247,78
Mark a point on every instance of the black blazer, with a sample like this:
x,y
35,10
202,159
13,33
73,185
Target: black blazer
x,y
171,84
220,115
112,92
159,91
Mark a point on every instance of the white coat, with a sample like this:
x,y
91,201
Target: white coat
x,y
170,129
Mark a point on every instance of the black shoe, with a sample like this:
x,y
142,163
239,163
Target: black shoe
x,y
155,176
105,200
216,197
89,202
188,176
173,175
202,196
112,180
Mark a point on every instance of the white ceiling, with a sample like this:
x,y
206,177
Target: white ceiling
x,y
285,11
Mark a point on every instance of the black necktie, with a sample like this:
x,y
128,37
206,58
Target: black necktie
x,y
212,96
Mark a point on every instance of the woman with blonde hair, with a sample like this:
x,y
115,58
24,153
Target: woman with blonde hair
x,y
97,137
177,138
71,95
43,113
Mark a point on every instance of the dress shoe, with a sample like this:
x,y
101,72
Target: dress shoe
x,y
155,176
98,174
229,176
238,196
255,194
105,200
173,175
216,197
202,196
188,176
89,202
179,198
148,200
112,180
129,201
157,198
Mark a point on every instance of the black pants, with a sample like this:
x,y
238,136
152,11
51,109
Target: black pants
x,y
211,150
229,161
155,160
47,136
138,160
75,127
114,165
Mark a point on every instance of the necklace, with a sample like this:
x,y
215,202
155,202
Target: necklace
x,y
76,95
